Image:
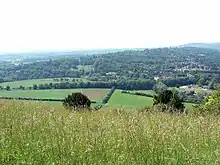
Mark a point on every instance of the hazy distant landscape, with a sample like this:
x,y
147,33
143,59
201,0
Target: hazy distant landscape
x,y
204,45
177,68
122,85
109,82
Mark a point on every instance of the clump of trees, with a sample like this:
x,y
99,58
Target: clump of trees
x,y
192,96
77,101
159,87
8,88
179,81
120,84
211,104
169,101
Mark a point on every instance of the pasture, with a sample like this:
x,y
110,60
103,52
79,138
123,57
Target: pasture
x,y
118,99
34,133
121,100
92,94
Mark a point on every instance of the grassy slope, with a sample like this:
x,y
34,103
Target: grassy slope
x,y
27,83
93,94
33,133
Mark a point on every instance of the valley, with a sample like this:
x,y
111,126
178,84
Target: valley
x,y
123,88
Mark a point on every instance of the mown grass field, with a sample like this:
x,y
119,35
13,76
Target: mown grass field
x,y
93,94
121,100
28,83
33,133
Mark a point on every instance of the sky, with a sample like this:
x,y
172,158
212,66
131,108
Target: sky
x,y
41,25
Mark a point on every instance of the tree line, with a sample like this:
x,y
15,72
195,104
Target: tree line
x,y
121,84
174,66
35,99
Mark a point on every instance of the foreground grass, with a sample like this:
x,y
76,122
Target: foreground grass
x,y
37,134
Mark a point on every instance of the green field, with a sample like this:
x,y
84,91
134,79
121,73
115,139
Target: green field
x,y
118,99
121,100
34,133
93,94
189,105
28,83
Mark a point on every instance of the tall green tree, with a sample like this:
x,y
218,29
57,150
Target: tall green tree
x,y
35,87
160,87
211,104
169,100
77,101
8,88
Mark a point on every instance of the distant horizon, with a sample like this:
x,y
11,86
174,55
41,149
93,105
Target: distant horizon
x,y
98,49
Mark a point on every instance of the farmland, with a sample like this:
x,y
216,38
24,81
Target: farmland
x,y
28,83
119,99
33,132
93,94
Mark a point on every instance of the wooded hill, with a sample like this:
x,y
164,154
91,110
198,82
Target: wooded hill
x,y
173,66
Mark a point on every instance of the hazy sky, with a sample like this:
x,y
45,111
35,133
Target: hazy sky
x,y
29,25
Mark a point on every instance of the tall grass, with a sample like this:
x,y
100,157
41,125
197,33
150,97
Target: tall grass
x,y
36,134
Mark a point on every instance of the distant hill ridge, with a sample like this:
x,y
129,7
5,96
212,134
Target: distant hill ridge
x,y
215,46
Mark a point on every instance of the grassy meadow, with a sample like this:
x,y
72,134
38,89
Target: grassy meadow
x,y
33,133
119,99
93,94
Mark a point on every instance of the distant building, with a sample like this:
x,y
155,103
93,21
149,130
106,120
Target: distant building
x,y
184,87
156,78
111,73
